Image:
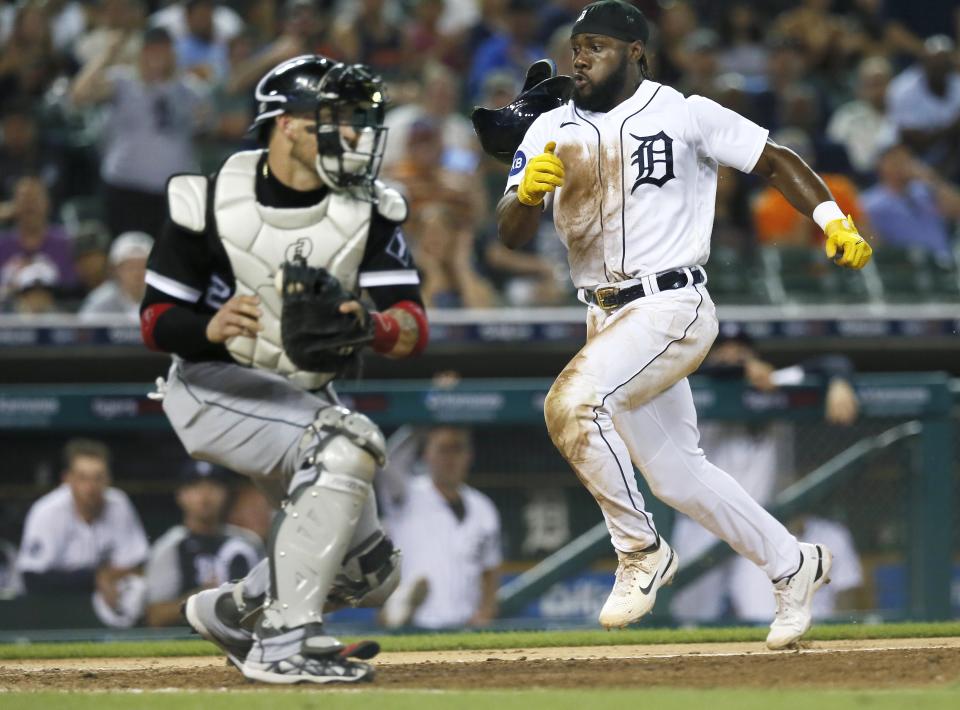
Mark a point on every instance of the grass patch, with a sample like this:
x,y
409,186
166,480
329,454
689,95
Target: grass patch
x,y
662,699
496,640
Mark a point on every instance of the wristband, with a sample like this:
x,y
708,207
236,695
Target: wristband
x,y
826,212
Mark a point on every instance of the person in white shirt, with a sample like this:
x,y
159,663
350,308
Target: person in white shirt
x,y
448,533
123,292
924,105
634,167
83,536
862,126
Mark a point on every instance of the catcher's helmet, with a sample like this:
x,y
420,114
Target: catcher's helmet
x,y
501,130
348,103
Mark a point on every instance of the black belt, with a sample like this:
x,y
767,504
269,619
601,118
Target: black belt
x,y
612,297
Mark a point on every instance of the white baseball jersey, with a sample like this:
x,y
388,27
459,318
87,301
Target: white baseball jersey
x,y
450,554
56,538
640,180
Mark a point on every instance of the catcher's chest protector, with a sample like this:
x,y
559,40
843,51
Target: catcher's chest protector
x,y
258,239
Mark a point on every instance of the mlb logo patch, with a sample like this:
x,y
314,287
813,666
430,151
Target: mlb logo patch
x,y
519,163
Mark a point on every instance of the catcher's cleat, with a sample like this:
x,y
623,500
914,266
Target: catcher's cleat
x,y
794,595
304,655
639,576
213,614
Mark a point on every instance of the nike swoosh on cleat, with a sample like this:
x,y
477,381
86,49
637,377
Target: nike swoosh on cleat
x,y
646,590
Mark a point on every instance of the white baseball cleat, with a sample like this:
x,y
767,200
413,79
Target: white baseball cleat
x,y
794,596
639,576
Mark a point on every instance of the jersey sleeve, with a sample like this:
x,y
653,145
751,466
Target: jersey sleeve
x,y
724,135
387,270
38,549
131,548
179,264
532,145
163,570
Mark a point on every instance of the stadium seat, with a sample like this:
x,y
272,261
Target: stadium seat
x,y
912,275
735,279
804,275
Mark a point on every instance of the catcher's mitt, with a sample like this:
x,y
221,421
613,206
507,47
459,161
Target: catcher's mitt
x,y
316,336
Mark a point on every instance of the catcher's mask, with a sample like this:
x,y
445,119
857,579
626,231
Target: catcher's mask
x,y
502,130
347,101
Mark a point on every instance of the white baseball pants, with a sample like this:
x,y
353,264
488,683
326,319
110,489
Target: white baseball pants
x,y
624,400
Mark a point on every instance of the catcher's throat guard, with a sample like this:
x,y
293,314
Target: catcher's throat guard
x,y
502,130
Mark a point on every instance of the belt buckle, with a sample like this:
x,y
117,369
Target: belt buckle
x,y
607,297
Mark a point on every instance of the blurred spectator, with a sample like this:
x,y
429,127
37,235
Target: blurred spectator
x,y
439,94
22,153
90,255
861,125
700,63
33,237
762,455
443,249
32,291
84,535
365,32
557,14
153,115
124,291
779,224
424,41
200,553
677,21
910,205
513,49
28,61
226,22
924,104
428,172
11,585
731,222
449,533
743,51
112,19
528,276
231,108
198,51
250,509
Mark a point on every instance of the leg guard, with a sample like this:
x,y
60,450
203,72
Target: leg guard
x,y
370,573
314,528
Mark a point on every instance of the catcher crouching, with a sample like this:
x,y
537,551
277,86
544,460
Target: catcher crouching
x,y
253,288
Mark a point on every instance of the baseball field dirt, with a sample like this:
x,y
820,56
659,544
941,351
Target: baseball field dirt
x,y
857,664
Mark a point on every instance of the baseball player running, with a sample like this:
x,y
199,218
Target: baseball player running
x,y
251,287
632,168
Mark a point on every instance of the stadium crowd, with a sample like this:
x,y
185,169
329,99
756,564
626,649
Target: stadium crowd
x,y
102,100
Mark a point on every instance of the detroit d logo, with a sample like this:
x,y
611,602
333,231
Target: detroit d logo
x,y
654,160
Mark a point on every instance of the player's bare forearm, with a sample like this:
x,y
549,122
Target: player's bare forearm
x,y
517,223
792,177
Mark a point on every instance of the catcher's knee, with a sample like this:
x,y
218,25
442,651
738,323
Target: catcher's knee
x,y
341,442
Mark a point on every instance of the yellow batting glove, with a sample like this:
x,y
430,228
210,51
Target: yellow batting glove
x,y
544,174
845,246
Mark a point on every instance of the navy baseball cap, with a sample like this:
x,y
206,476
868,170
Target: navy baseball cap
x,y
197,471
612,18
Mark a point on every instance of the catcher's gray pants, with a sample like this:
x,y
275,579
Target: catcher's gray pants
x,y
249,421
